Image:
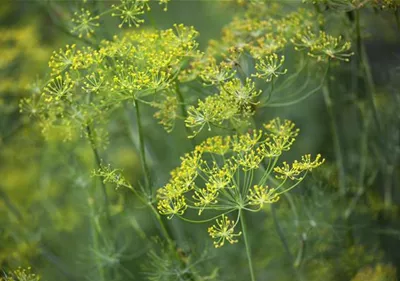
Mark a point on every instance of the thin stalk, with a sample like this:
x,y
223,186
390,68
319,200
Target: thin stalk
x,y
144,166
148,184
184,112
141,147
246,243
367,70
278,227
98,164
95,240
301,252
162,225
335,136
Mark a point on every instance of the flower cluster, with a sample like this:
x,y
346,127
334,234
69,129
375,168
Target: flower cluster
x,y
323,46
223,230
297,169
85,23
261,38
88,83
260,33
167,112
269,67
129,11
235,103
114,176
231,173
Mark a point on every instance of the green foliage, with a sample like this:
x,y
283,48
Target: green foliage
x,y
120,148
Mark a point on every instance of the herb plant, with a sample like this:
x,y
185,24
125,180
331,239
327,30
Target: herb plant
x,y
136,147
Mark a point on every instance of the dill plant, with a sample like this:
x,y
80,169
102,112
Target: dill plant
x,y
115,67
218,176
88,84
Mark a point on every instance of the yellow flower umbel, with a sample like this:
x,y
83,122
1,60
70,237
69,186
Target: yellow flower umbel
x,y
328,47
261,195
88,84
85,23
298,169
268,67
234,103
233,174
223,230
129,12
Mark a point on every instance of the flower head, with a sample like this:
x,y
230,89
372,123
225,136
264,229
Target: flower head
x,y
85,23
261,195
269,67
129,12
223,230
172,206
330,47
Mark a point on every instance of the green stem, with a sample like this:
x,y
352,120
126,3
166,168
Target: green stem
x,y
141,147
301,253
335,136
147,176
246,243
95,240
98,164
367,71
162,225
163,228
184,112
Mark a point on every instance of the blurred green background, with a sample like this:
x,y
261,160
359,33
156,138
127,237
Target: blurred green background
x,y
47,195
